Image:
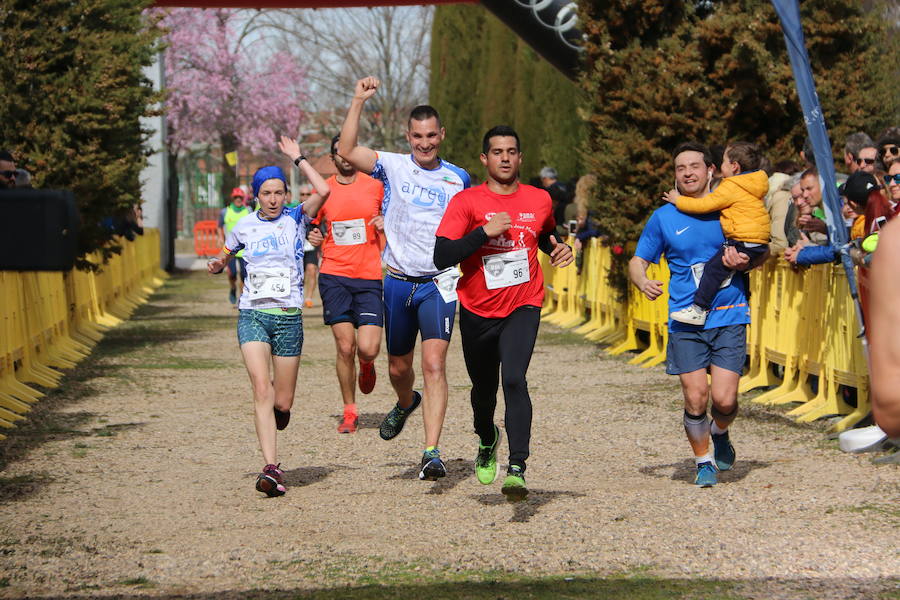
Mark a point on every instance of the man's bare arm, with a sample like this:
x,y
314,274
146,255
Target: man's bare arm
x,y
884,322
637,272
362,158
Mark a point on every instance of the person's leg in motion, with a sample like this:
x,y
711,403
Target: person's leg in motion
x,y
724,410
695,388
345,365
482,357
257,357
517,340
400,339
368,339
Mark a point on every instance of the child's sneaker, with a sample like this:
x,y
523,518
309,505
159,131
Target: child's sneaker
x,y
692,315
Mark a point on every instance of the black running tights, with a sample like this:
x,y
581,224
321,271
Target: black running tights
x,y
495,349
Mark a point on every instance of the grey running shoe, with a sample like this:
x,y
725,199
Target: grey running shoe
x,y
395,420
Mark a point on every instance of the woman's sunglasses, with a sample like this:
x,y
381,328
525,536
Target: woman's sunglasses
x,y
895,178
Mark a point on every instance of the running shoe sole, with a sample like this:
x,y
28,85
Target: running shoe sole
x,y
367,378
433,470
723,452
269,486
282,418
514,488
389,430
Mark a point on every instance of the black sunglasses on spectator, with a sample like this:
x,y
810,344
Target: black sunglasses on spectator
x,y
8,174
868,161
892,150
895,177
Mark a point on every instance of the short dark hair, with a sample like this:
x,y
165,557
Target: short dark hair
x,y
6,155
812,171
694,147
788,167
746,154
334,143
423,112
498,131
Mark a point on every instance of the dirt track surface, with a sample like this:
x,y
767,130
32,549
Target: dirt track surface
x,y
136,479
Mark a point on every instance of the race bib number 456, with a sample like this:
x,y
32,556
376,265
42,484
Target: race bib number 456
x,y
506,269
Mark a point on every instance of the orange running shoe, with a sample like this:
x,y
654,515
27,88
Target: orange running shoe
x,y
348,425
366,377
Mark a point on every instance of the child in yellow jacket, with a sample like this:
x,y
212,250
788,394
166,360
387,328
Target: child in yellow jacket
x,y
744,219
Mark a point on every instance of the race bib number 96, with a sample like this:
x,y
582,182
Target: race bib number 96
x,y
506,269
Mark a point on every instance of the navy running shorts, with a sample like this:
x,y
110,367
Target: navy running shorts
x,y
347,300
284,333
411,306
724,347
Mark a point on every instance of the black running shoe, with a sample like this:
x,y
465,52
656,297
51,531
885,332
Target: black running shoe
x,y
282,418
432,466
395,420
271,481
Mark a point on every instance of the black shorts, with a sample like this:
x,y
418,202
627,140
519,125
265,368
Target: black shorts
x,y
346,300
311,257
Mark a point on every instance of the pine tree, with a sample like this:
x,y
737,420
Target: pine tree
x,y
659,73
73,89
483,75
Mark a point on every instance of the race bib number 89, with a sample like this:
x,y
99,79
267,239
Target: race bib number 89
x,y
349,233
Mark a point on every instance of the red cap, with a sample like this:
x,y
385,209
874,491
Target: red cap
x,y
238,192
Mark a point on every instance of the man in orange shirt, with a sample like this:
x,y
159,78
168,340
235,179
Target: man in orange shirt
x,y
350,278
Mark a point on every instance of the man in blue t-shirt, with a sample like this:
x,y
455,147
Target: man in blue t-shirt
x,y
720,345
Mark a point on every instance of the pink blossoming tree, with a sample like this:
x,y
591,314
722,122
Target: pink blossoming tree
x,y
225,91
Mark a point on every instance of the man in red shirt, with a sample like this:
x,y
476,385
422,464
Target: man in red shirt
x,y
495,230
350,278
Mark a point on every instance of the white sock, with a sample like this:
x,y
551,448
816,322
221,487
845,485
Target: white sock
x,y
708,457
715,429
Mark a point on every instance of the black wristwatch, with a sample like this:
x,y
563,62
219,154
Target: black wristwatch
x,y
298,159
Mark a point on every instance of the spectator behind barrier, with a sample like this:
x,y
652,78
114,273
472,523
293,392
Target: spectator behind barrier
x,y
888,147
560,196
857,191
778,203
7,170
853,145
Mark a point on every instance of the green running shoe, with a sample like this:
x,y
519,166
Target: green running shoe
x,y
486,468
723,451
706,475
514,485
395,420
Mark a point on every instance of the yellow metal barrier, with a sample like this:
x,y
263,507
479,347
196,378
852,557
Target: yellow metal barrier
x,y
51,320
803,320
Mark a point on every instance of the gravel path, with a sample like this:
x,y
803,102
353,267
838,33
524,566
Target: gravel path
x,y
137,479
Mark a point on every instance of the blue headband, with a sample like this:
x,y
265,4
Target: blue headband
x,y
264,174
